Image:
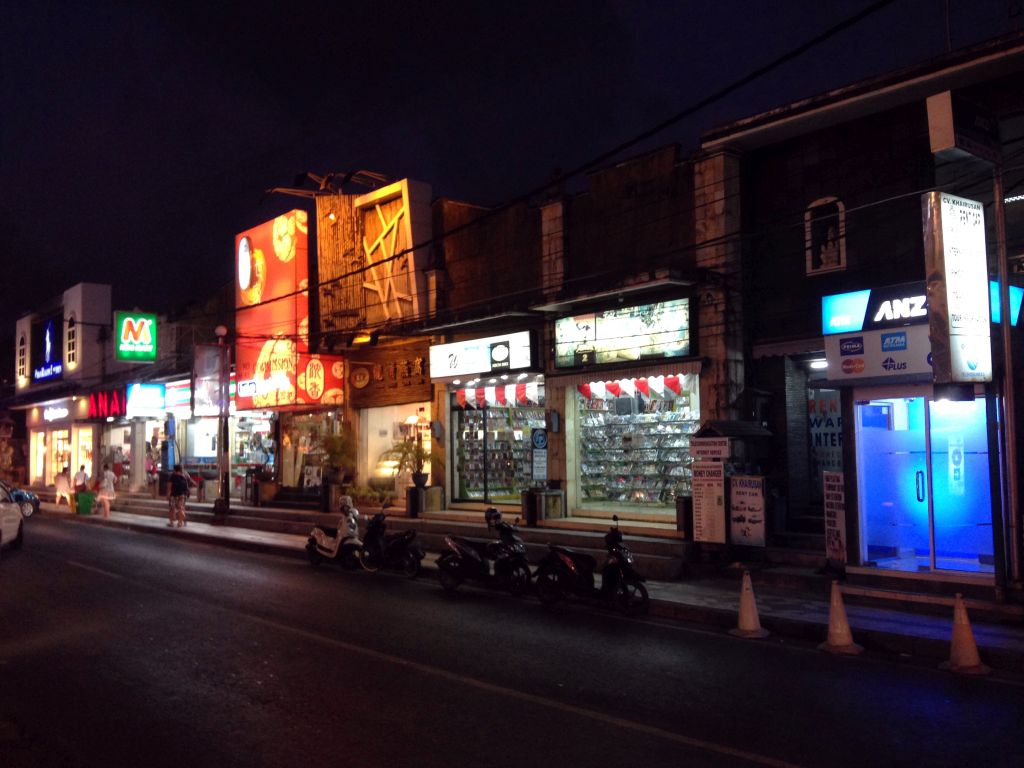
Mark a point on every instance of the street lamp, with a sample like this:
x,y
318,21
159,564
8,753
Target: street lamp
x,y
222,505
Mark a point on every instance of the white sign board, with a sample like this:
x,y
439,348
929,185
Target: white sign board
x,y
746,510
958,288
709,501
487,355
709,448
871,354
835,516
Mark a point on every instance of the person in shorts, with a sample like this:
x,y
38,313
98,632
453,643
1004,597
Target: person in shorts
x,y
177,494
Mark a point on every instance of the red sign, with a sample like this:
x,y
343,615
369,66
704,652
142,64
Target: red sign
x,y
853,365
108,403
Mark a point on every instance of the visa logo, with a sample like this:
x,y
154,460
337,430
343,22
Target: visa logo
x,y
851,346
894,342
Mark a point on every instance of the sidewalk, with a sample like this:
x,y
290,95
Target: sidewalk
x,y
889,632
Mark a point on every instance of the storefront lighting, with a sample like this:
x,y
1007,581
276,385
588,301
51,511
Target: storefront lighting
x,y
522,376
456,382
504,377
362,338
818,365
332,217
1013,199
492,381
110,419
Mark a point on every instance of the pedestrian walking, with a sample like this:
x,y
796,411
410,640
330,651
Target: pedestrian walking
x,y
106,491
62,487
81,480
177,493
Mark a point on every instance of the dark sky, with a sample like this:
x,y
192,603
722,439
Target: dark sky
x,y
137,139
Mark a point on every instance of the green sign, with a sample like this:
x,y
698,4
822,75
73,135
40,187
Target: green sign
x,y
135,337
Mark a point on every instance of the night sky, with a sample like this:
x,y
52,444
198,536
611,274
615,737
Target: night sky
x,y
136,141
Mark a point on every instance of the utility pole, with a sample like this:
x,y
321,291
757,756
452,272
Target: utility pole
x,y
222,505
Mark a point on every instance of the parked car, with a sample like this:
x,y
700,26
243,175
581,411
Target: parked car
x,y
12,522
25,499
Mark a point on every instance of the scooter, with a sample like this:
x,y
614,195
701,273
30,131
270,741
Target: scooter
x,y
500,564
338,545
564,572
396,550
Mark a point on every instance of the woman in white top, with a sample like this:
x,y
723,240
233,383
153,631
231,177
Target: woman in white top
x,y
106,489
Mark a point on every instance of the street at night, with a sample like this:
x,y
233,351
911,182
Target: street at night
x,y
126,649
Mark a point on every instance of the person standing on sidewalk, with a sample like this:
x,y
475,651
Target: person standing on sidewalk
x,y
177,494
62,488
106,485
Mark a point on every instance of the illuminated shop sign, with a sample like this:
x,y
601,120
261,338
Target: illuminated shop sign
x,y
492,354
147,401
108,403
958,288
47,346
272,358
135,337
55,413
645,332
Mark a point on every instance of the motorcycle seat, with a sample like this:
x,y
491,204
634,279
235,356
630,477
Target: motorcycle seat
x,y
582,559
480,547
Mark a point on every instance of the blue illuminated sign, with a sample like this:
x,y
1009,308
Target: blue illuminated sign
x,y
1016,295
844,312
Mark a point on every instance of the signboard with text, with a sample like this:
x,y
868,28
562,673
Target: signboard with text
x,y
746,510
135,337
709,501
835,516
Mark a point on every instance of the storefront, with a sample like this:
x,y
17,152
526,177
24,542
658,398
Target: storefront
x,y
630,402
924,496
59,437
390,402
495,396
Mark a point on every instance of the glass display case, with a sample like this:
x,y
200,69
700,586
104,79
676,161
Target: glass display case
x,y
635,450
493,451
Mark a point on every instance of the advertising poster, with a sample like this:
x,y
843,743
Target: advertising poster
x,y
835,517
272,361
645,332
746,510
709,501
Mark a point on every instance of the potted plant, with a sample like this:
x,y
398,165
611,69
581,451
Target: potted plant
x,y
339,452
412,456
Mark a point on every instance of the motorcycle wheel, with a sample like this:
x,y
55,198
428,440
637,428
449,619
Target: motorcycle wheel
x,y
449,580
315,558
519,580
549,591
410,565
27,509
631,598
350,560
369,561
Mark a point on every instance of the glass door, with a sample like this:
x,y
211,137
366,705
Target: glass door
x,y
923,484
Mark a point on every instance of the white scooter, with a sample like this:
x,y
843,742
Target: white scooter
x,y
338,545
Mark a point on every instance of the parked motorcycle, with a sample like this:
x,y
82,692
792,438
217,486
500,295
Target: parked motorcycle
x,y
338,545
500,564
564,572
397,550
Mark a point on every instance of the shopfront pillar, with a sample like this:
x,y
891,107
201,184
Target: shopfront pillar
x,y
137,474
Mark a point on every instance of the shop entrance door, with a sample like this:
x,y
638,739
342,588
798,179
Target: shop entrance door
x,y
923,484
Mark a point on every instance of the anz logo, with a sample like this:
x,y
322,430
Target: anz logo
x,y
902,309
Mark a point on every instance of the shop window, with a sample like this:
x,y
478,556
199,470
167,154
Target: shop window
x,y
633,440
72,343
492,426
22,357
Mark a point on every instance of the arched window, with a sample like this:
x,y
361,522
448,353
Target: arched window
x,y
22,357
72,343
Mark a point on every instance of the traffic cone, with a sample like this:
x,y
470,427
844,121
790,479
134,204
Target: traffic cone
x,y
963,651
749,624
840,639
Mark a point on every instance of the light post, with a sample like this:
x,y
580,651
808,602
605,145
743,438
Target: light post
x,y
222,505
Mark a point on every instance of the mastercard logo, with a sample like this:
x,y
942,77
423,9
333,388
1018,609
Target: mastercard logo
x,y
854,365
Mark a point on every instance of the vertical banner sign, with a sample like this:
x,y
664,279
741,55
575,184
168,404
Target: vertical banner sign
x,y
746,510
958,290
709,501
539,441
206,379
835,517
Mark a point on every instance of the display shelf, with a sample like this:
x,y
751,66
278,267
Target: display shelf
x,y
506,462
639,458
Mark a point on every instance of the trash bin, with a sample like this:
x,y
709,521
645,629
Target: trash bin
x,y
84,501
529,500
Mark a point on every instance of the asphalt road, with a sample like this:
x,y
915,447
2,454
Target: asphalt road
x,y
121,649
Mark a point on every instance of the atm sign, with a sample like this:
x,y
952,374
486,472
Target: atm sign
x,y
135,337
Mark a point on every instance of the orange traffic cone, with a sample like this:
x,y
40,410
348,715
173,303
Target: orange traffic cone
x,y
963,652
840,639
749,624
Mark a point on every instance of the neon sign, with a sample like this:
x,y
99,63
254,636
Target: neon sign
x,y
135,337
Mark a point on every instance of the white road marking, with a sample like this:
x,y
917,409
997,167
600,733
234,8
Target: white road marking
x,y
94,570
543,701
